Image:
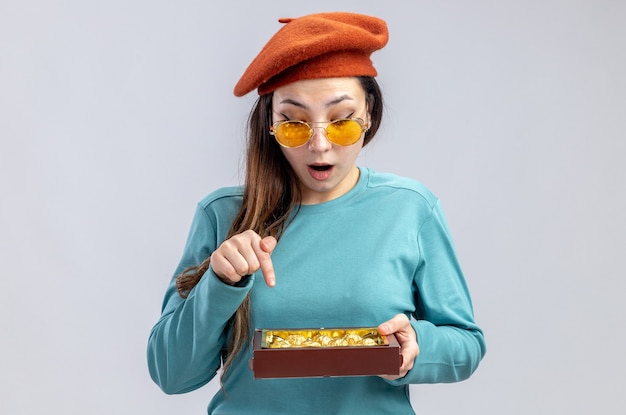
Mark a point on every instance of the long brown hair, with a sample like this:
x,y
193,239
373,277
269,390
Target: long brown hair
x,y
270,194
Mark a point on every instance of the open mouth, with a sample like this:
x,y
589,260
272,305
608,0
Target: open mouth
x,y
321,168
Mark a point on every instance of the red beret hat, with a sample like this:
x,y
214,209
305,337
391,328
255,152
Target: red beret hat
x,y
323,45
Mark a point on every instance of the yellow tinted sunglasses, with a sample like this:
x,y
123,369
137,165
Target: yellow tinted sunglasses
x,y
343,132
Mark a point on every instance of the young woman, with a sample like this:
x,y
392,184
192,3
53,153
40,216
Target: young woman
x,y
313,240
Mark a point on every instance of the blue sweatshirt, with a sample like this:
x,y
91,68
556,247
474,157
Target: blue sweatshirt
x,y
381,249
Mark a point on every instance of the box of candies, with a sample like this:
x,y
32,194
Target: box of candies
x,y
296,353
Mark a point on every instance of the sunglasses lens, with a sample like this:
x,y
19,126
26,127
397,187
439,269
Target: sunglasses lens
x,y
344,132
292,133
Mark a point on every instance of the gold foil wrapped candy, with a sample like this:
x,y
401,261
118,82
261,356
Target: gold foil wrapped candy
x,y
276,339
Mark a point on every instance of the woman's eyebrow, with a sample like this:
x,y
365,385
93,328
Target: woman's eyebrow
x,y
339,99
292,102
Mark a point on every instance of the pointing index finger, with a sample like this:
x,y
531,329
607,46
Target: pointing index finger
x,y
266,246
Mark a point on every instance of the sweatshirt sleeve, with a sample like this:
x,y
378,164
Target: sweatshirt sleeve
x,y
451,343
185,346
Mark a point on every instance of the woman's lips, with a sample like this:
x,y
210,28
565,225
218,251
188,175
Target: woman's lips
x,y
320,171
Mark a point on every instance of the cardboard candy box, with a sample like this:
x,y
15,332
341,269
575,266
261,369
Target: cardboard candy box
x,y
298,353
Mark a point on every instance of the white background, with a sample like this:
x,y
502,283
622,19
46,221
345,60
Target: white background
x,y
117,116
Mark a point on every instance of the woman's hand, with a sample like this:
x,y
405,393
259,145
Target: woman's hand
x,y
405,334
244,254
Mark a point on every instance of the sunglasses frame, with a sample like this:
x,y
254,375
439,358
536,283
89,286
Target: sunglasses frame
x,y
312,125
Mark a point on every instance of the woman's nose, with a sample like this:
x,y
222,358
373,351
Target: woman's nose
x,y
319,141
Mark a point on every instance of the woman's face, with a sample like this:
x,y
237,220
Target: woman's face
x,y
325,170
